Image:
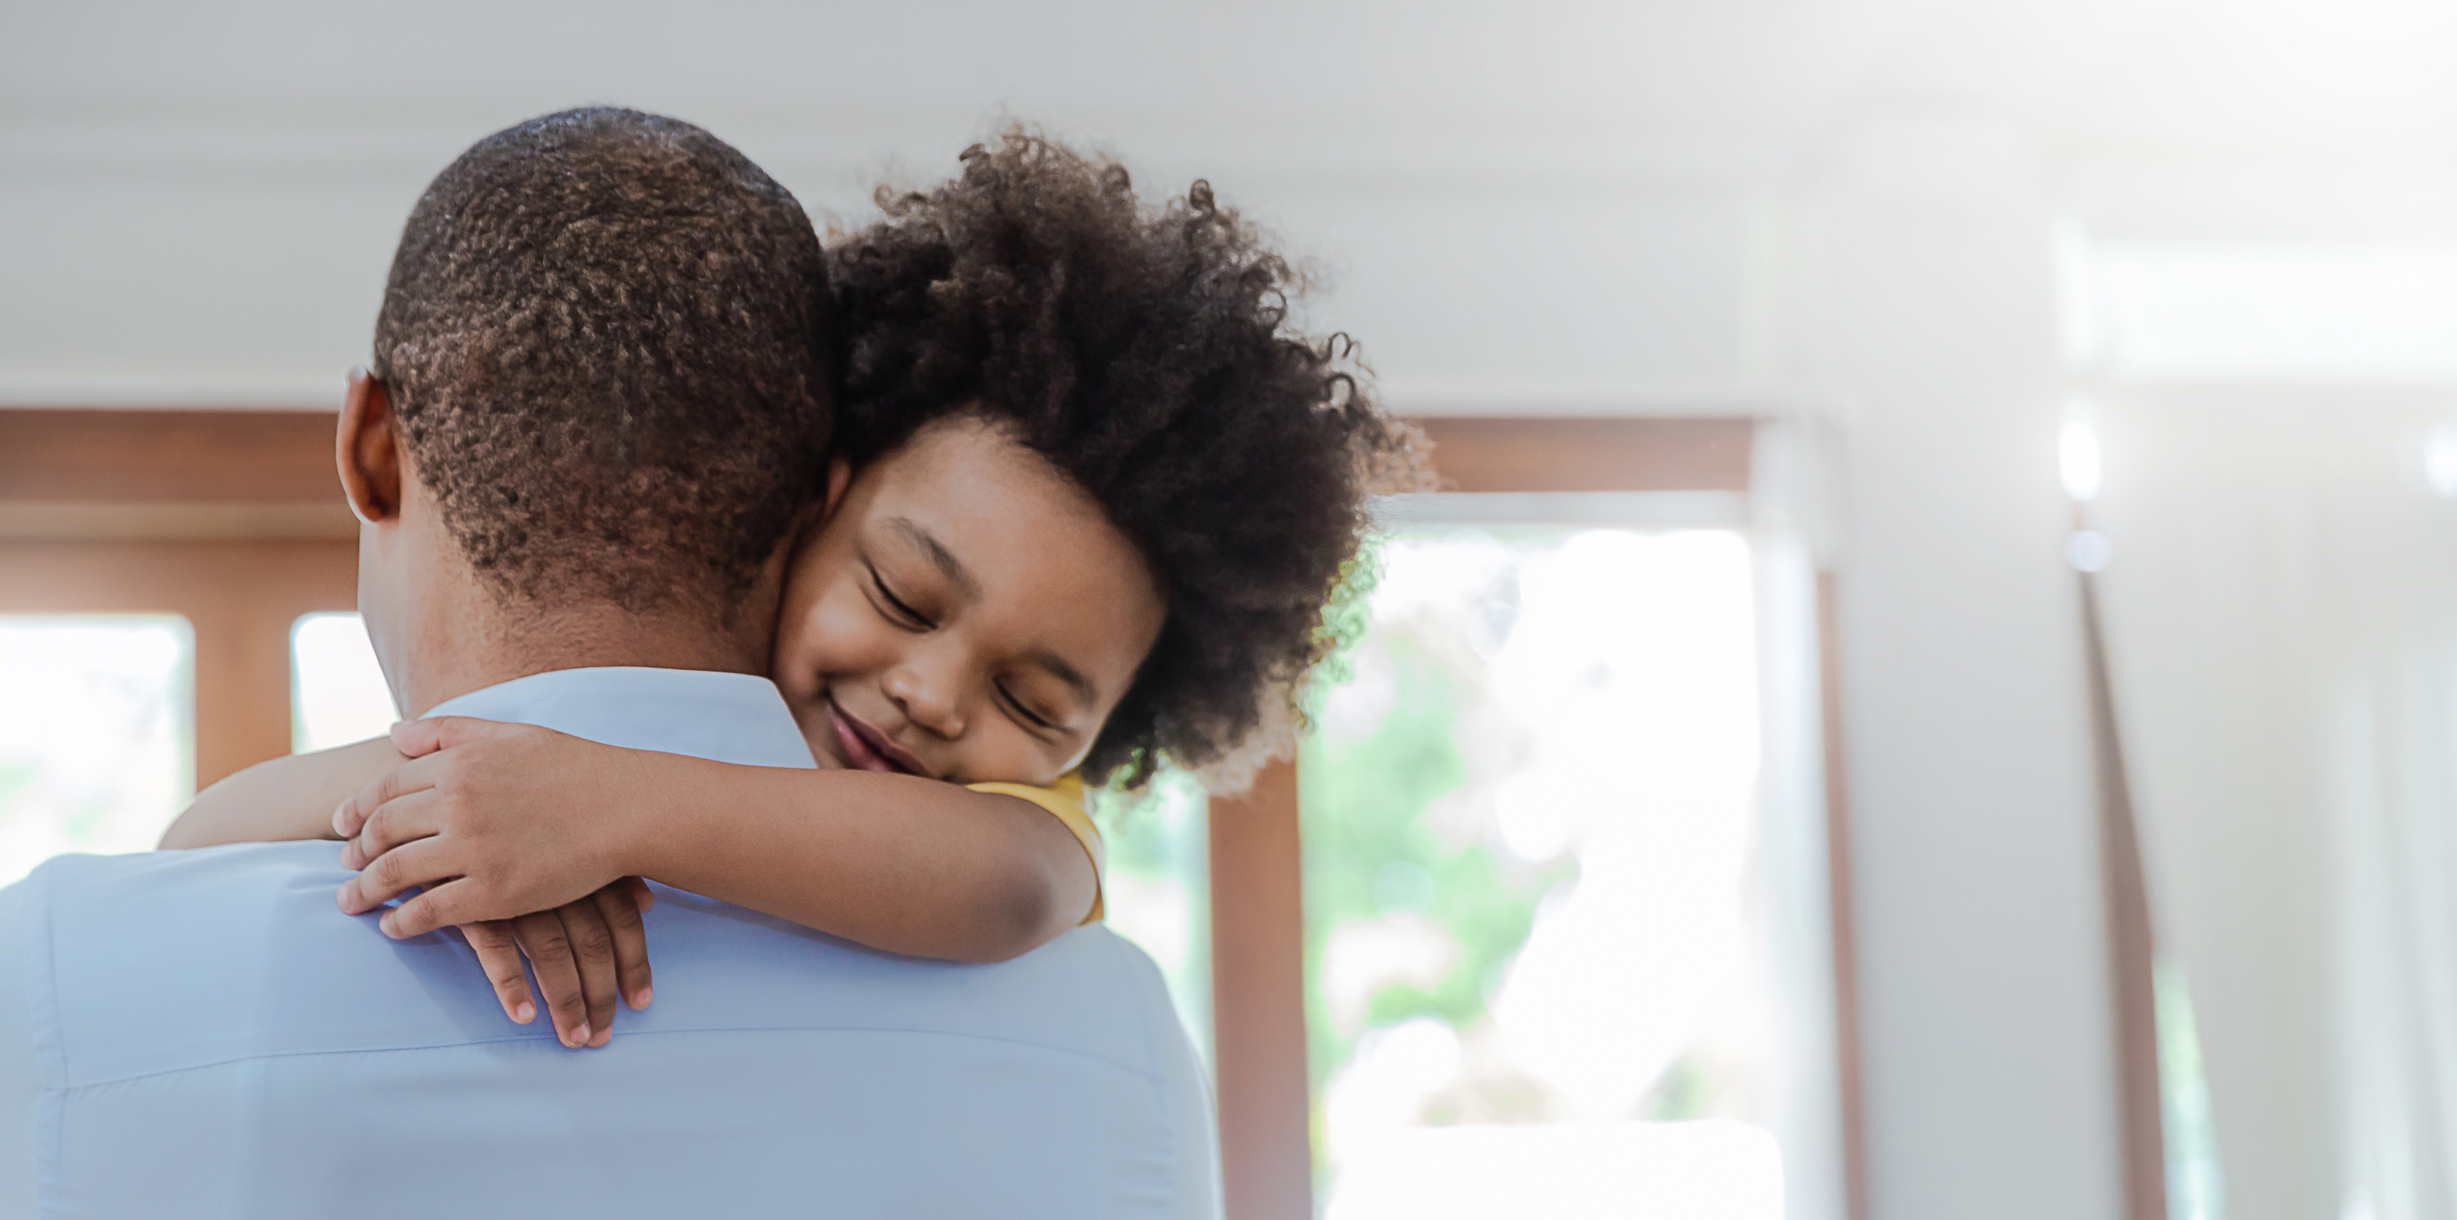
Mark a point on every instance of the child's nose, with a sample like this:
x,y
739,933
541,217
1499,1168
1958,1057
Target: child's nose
x,y
926,702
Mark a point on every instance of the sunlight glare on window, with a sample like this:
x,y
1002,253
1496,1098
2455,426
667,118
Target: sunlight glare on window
x,y
337,691
97,750
1528,814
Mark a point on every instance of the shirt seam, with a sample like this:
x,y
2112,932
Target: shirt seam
x,y
50,1048
1151,1054
1139,1073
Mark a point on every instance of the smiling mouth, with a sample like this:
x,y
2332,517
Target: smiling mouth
x,y
867,748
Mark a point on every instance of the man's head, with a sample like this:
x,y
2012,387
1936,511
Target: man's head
x,y
600,368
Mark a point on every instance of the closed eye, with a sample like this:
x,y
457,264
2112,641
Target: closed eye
x,y
896,611
1031,719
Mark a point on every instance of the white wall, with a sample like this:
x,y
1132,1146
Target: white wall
x,y
1841,208
204,204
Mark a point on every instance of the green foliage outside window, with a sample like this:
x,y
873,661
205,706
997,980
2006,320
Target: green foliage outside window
x,y
1371,852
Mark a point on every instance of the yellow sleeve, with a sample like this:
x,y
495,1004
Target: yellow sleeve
x,y
1065,801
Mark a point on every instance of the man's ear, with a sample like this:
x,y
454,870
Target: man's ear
x,y
368,450
840,476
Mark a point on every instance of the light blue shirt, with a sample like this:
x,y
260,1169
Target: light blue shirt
x,y
204,1033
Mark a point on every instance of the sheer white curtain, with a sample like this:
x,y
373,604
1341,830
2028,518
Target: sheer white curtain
x,y
2282,617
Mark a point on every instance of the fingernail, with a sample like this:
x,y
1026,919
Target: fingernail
x,y
603,1037
524,1012
580,1036
640,999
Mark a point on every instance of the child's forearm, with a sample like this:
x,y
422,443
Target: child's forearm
x,y
896,862
288,798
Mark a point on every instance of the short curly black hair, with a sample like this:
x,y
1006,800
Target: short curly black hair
x,y
605,339
1146,352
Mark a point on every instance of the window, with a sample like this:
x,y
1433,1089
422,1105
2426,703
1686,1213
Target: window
x,y
1159,895
337,691
96,734
1536,984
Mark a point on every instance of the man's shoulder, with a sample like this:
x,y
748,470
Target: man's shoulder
x,y
237,870
230,860
161,961
157,961
112,917
162,907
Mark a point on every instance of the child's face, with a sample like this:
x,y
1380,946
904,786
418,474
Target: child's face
x,y
962,612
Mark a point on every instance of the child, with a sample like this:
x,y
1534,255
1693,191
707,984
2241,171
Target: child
x,y
1090,503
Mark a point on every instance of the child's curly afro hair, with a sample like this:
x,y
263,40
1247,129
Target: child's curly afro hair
x,y
1146,353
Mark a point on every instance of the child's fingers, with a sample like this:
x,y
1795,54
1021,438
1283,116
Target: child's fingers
x,y
415,775
384,878
542,937
442,904
593,952
499,955
419,737
641,896
620,905
403,819
389,875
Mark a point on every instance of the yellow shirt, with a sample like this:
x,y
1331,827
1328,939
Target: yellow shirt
x,y
1065,801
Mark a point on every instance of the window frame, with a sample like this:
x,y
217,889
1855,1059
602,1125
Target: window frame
x,y
1257,864
231,519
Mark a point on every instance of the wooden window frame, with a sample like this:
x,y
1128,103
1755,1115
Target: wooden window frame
x,y
1257,862
231,519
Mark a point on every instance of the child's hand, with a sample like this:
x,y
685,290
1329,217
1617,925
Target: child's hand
x,y
493,820
584,953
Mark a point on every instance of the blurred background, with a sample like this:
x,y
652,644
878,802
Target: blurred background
x,y
1932,689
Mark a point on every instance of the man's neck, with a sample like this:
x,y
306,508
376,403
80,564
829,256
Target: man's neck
x,y
447,631
485,655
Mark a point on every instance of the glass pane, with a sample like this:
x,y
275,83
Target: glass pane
x,y
1532,968
97,748
337,691
1159,893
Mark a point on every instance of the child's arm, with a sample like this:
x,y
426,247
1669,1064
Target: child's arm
x,y
287,798
584,951
526,818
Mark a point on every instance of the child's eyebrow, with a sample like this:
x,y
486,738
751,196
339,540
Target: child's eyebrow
x,y
940,557
1059,669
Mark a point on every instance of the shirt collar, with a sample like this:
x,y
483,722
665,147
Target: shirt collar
x,y
728,718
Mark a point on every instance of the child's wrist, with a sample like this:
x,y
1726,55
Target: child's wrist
x,y
641,807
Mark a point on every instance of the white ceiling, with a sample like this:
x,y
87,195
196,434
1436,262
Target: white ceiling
x,y
1529,206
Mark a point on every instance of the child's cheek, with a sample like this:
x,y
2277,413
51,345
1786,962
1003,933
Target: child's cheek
x,y
843,635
